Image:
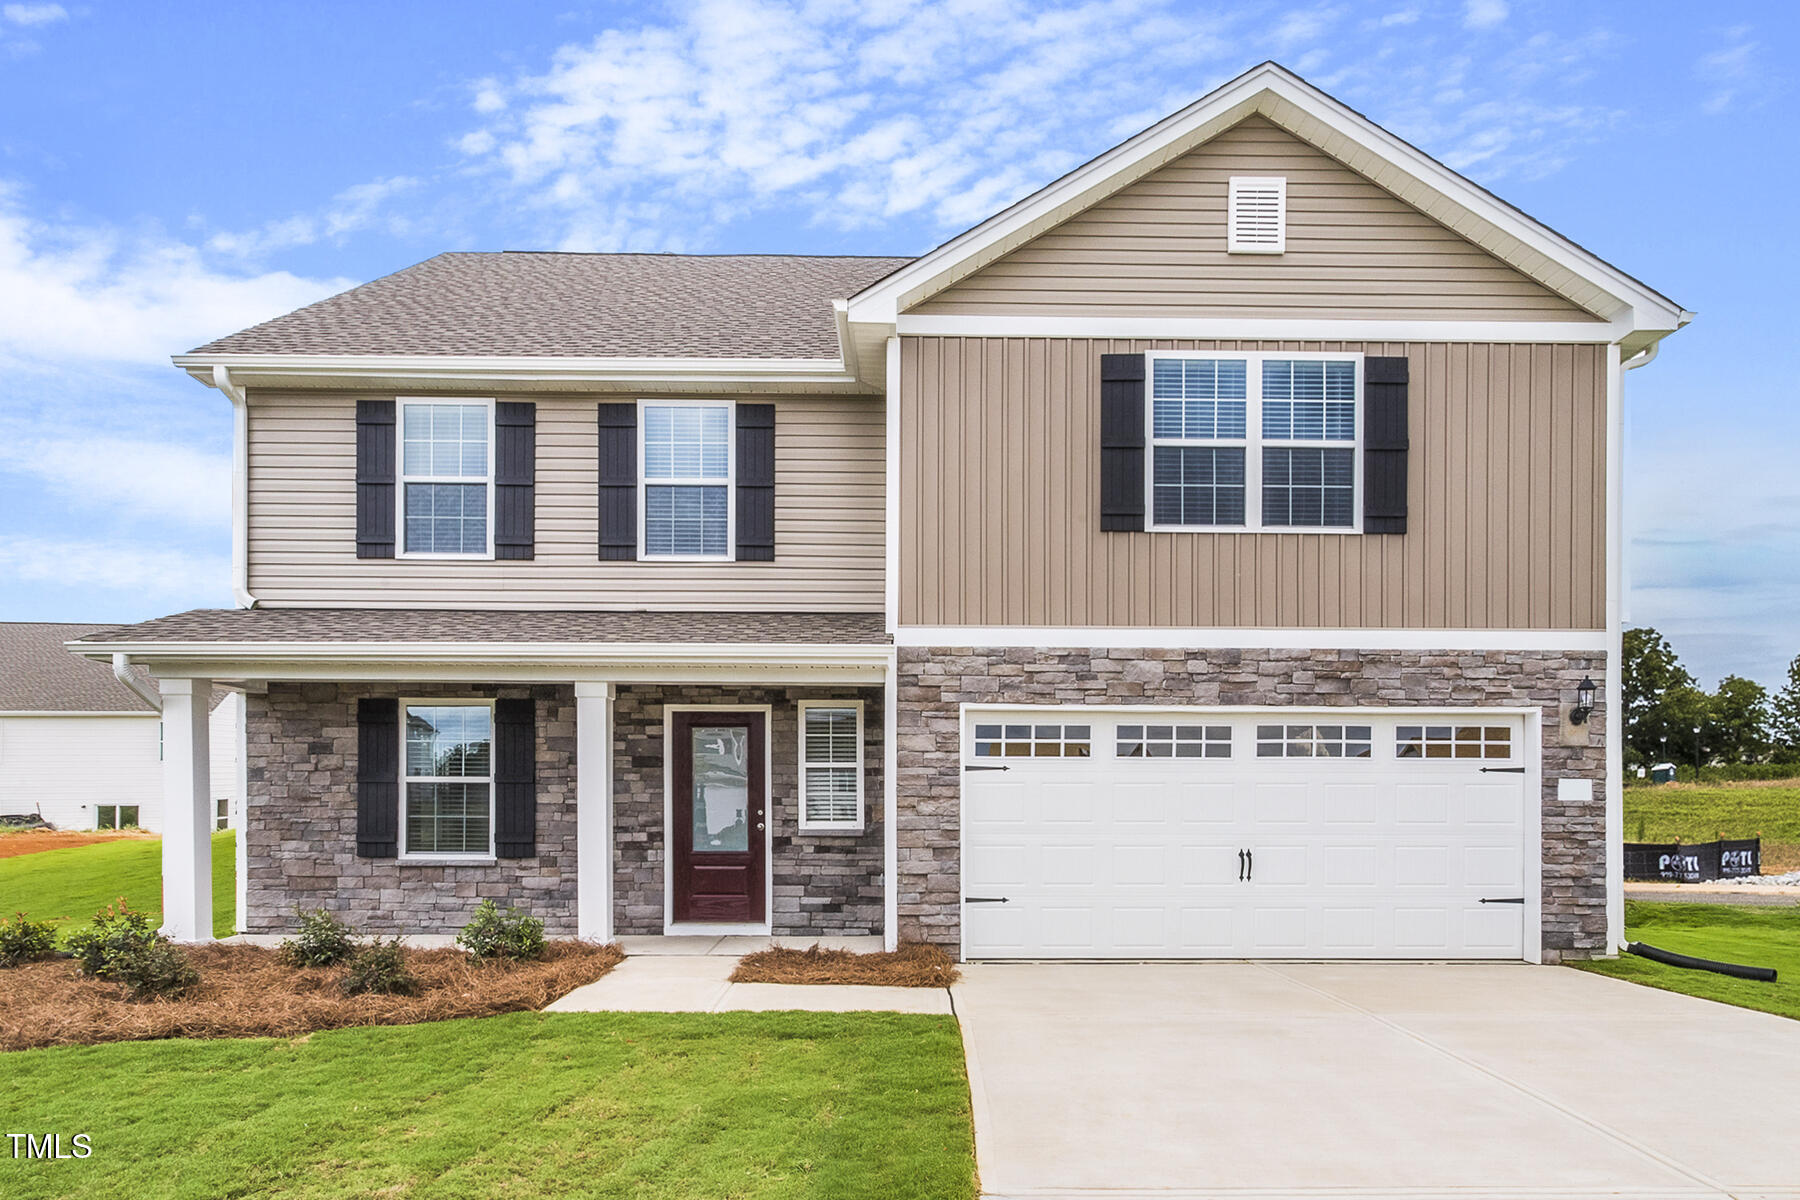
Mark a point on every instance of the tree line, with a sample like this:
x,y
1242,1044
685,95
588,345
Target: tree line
x,y
1739,722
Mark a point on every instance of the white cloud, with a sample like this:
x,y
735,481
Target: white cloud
x,y
132,479
85,295
134,571
34,14
1485,14
1733,74
658,137
351,210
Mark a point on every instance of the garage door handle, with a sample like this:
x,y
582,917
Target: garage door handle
x,y
984,899
1503,770
1249,864
1503,899
1240,866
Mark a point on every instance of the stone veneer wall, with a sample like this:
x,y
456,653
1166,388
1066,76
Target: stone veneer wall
x,y
934,681
823,883
301,828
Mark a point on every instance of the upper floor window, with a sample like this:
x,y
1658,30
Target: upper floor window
x,y
446,476
1254,441
686,480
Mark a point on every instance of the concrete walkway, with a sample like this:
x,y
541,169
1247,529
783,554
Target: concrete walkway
x,y
698,982
1356,1080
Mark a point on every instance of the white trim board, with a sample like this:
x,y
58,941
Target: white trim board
x,y
1115,637
1285,330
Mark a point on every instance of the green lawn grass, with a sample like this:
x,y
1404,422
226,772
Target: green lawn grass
x,y
70,886
1685,812
1758,937
647,1106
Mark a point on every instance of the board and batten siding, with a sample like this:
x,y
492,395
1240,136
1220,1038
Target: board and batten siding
x,y
829,463
1157,248
999,512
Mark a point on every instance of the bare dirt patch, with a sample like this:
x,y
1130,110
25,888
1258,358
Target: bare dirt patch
x,y
246,991
34,841
916,964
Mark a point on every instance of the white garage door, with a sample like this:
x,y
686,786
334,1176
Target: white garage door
x,y
1193,835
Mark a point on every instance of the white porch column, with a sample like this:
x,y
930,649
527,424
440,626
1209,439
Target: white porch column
x,y
890,807
187,810
593,812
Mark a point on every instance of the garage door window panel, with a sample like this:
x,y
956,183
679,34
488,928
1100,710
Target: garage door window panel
x,y
1314,741
1035,740
1460,741
1174,741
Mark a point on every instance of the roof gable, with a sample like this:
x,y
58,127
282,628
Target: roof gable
x,y
1272,92
1158,247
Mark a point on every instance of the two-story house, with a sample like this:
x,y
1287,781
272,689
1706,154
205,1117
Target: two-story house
x,y
1216,553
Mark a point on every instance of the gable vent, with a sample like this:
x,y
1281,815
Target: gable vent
x,y
1257,222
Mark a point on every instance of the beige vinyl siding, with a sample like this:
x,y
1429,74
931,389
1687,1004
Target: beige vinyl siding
x,y
999,512
829,461
1157,249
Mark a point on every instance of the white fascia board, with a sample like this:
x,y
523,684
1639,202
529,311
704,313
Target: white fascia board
x,y
1237,329
484,653
1530,246
519,369
1125,637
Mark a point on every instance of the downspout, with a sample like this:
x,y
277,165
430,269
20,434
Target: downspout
x,y
122,672
240,486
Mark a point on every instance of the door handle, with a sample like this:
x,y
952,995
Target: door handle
x,y
1240,866
759,826
1249,864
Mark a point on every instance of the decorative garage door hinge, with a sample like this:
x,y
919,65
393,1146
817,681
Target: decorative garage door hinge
x,y
985,899
1503,770
977,767
1503,899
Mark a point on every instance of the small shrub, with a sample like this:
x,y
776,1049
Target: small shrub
x,y
117,929
495,932
380,968
323,941
23,940
150,971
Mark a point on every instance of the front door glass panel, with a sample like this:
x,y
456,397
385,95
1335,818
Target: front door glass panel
x,y
721,799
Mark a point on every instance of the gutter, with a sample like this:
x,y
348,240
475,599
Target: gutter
x,y
1644,357
240,485
122,672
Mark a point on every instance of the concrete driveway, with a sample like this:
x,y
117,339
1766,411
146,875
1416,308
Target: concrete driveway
x,y
1354,1080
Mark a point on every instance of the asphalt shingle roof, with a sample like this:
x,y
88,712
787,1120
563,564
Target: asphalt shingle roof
x,y
38,675
580,305
480,626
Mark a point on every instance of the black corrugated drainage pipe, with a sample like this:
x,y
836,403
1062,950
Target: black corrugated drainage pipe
x,y
1760,974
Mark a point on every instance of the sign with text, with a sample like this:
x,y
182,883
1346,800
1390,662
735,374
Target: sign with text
x,y
1674,862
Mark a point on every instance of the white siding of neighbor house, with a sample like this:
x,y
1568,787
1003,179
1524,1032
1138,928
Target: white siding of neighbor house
x,y
64,767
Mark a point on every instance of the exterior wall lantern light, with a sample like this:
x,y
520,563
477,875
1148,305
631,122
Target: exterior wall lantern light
x,y
1584,702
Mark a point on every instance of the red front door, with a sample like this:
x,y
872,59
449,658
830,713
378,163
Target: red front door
x,y
717,814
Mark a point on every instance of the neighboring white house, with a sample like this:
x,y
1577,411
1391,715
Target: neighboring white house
x,y
83,750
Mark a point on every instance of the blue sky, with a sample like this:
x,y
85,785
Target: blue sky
x,y
172,172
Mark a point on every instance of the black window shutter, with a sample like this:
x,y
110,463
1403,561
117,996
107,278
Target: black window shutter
x,y
618,482
756,483
374,479
1122,442
1384,445
377,778
515,778
515,479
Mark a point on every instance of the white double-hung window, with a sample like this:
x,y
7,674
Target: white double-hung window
x,y
1254,441
686,479
447,779
446,476
831,766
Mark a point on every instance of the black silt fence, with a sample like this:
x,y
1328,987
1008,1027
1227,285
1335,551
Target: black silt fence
x,y
1674,862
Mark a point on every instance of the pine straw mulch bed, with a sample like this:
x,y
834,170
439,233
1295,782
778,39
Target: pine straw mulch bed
x,y
915,964
246,991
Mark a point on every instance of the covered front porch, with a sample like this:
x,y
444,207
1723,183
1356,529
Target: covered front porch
x,y
698,775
